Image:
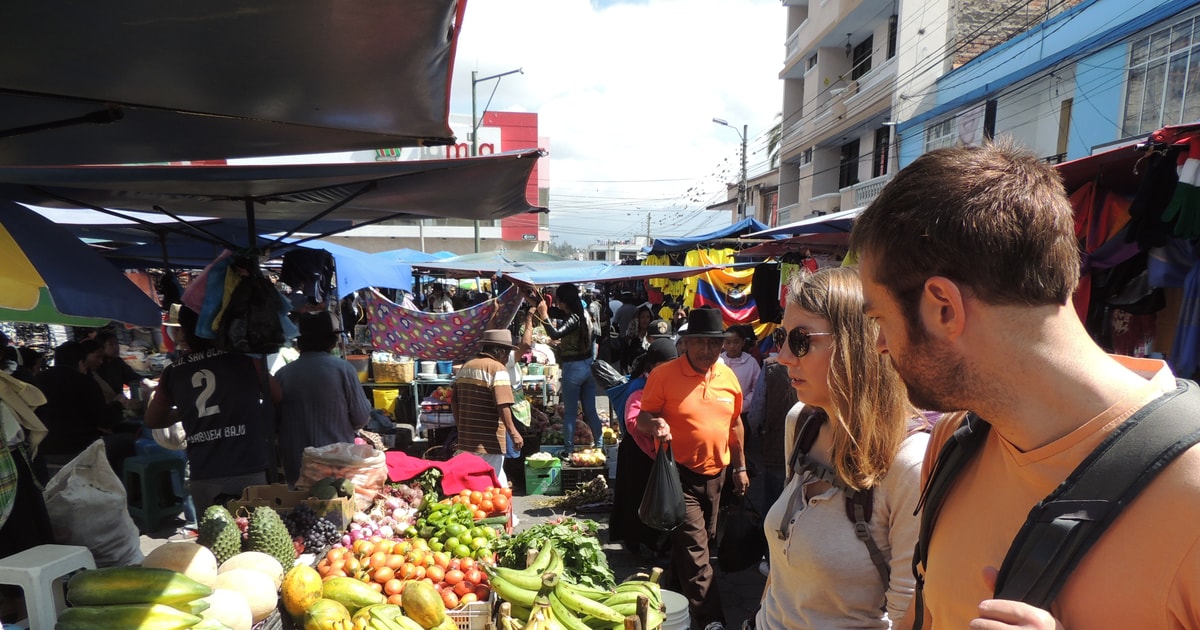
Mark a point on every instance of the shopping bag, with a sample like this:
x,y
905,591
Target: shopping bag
x,y
662,505
741,542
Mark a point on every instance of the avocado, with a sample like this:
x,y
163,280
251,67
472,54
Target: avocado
x,y
324,489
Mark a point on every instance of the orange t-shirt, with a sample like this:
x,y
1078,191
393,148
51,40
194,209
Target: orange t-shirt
x,y
700,409
1144,572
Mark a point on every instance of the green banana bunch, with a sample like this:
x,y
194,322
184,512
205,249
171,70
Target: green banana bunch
x,y
521,587
506,619
542,617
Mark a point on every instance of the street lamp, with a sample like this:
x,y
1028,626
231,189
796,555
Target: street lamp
x,y
742,184
475,121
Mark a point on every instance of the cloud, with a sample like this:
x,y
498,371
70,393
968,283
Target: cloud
x,y
626,93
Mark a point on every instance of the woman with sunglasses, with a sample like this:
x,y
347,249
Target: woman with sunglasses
x,y
822,575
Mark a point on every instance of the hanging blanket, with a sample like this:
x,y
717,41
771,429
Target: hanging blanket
x,y
450,336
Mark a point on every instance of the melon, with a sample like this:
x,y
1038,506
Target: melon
x,y
255,587
189,558
229,608
255,561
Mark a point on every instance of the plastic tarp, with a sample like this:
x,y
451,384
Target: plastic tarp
x,y
359,270
833,222
737,230
144,81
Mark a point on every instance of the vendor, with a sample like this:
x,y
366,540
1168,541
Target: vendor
x,y
323,401
113,370
482,403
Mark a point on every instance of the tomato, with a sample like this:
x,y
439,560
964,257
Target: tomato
x,y
323,566
480,514
487,506
507,492
393,586
482,592
466,564
476,497
435,573
449,598
501,503
464,587
395,599
408,571
468,598
474,576
383,575
441,559
454,576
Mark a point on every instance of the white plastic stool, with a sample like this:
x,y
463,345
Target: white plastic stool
x,y
39,572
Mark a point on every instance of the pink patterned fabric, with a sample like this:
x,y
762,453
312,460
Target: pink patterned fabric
x,y
436,336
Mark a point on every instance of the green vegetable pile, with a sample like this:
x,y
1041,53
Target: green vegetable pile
x,y
574,539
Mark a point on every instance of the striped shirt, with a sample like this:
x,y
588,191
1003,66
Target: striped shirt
x,y
481,387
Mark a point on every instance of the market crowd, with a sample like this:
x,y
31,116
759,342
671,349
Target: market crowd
x,y
950,323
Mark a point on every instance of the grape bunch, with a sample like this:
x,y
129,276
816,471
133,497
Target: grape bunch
x,y
314,532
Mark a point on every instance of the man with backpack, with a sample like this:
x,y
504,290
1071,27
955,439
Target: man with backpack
x,y
969,261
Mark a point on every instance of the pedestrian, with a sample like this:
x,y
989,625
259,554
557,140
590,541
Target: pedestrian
x,y
868,439
969,260
323,400
635,457
226,403
575,354
695,403
482,403
739,338
76,413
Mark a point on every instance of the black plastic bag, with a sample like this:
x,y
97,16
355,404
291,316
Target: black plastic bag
x,y
741,542
662,505
606,375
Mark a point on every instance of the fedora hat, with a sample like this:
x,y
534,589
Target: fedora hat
x,y
498,337
318,324
659,329
705,322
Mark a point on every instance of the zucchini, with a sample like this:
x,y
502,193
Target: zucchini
x,y
125,617
133,585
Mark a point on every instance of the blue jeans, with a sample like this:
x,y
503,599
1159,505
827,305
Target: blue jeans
x,y
579,385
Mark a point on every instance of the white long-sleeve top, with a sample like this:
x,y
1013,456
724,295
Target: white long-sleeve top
x,y
822,576
747,369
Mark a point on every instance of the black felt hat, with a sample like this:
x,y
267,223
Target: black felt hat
x,y
705,322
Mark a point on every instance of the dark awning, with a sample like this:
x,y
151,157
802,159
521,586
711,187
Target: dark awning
x,y
488,187
141,81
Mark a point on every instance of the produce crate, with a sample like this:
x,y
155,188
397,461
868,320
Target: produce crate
x,y
473,616
575,476
543,479
393,372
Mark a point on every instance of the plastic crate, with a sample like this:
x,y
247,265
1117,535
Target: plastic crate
x,y
575,476
473,616
543,479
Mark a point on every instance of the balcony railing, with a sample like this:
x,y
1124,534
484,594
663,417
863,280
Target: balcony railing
x,y
863,193
1055,159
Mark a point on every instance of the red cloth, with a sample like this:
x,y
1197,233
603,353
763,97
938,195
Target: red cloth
x,y
461,471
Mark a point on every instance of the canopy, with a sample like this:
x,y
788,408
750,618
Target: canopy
x,y
145,81
604,272
833,242
487,264
407,255
488,187
49,276
739,229
826,223
359,270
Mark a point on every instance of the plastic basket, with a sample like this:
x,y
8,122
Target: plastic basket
x,y
573,477
473,616
543,480
393,372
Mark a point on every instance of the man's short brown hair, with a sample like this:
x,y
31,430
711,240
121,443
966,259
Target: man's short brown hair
x,y
992,218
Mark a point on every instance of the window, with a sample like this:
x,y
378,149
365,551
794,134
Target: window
x,y
806,157
862,58
941,134
848,165
1163,85
879,157
812,62
891,51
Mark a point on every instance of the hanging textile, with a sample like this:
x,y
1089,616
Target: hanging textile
x,y
730,291
309,271
453,336
766,292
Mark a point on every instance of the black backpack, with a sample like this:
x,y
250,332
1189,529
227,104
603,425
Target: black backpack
x,y
251,320
1061,528
859,503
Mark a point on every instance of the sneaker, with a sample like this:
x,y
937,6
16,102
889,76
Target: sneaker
x,y
764,568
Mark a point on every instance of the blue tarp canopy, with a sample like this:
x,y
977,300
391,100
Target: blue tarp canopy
x,y
488,264
359,270
824,224
737,230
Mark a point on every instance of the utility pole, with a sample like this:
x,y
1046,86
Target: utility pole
x,y
743,191
647,228
475,121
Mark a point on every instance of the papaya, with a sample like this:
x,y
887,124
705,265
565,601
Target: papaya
x,y
133,585
326,614
141,616
422,603
352,593
301,587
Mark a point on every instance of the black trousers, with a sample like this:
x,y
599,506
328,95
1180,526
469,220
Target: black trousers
x,y
691,565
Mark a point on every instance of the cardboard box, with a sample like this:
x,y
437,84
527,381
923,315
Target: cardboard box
x,y
278,497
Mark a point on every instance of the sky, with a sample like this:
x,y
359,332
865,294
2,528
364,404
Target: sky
x,y
625,93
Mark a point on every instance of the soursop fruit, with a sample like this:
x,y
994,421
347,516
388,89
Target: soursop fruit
x,y
268,534
219,532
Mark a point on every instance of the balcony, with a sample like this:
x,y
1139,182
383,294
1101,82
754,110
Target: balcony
x,y
863,193
825,204
793,52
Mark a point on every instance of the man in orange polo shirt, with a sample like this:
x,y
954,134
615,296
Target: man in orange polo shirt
x,y
695,402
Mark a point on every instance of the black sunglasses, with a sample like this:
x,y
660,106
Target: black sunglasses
x,y
798,341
